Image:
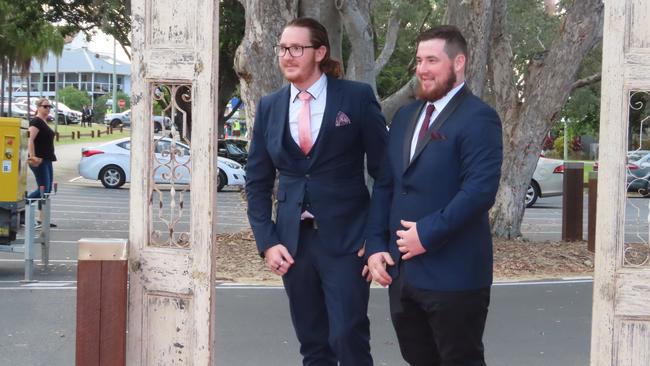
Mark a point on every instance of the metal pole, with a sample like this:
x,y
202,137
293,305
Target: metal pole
x,y
30,214
566,141
45,230
56,97
114,76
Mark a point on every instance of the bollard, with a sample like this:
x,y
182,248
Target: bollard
x,y
573,186
56,135
92,134
78,135
591,211
73,135
99,133
101,302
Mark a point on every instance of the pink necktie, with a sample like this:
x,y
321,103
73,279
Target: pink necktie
x,y
304,125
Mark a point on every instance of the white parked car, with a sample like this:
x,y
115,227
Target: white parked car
x,y
547,180
124,118
66,114
110,163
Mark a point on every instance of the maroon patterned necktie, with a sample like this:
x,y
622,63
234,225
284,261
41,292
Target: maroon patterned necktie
x,y
425,124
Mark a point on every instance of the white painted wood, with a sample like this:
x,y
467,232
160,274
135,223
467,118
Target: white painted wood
x,y
621,316
171,290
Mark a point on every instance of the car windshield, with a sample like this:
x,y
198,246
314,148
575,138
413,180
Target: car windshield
x,y
234,149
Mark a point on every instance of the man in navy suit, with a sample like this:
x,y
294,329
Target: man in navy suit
x,y
428,230
315,133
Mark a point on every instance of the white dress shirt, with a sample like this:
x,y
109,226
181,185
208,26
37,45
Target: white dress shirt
x,y
318,91
440,104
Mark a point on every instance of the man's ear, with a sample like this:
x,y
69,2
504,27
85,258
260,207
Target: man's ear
x,y
459,62
320,53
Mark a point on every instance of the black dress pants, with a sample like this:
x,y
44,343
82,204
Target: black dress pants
x,y
437,328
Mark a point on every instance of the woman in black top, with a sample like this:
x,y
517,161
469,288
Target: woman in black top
x,y
41,149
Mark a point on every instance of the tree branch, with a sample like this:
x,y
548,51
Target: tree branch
x,y
391,39
406,94
586,81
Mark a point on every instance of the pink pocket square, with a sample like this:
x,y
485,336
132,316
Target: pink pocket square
x,y
435,135
342,119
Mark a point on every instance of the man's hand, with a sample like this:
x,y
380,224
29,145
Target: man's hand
x,y
409,242
278,259
377,265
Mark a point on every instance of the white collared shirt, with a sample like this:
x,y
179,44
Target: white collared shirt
x,y
440,104
318,91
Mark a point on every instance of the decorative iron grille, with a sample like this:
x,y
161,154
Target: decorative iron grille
x,y
172,169
636,252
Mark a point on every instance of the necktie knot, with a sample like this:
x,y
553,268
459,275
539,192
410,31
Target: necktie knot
x,y
304,96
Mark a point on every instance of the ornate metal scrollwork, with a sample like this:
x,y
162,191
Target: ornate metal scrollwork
x,y
636,252
171,165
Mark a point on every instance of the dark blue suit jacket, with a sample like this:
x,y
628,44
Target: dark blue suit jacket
x,y
447,188
332,174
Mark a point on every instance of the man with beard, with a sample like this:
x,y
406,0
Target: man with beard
x,y
315,132
428,233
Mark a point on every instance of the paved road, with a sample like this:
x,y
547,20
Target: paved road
x,y
543,221
531,324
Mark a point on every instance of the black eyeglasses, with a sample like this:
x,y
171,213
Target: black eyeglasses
x,y
294,51
46,106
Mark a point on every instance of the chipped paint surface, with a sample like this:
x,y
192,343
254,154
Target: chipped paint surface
x,y
621,315
171,320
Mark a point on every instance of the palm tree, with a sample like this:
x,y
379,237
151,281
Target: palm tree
x,y
24,35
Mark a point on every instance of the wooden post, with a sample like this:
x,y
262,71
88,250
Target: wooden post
x,y
57,136
73,135
591,211
92,133
101,302
78,134
572,201
99,133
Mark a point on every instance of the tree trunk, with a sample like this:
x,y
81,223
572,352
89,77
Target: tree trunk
x,y
356,19
525,118
328,15
2,86
11,86
474,19
255,63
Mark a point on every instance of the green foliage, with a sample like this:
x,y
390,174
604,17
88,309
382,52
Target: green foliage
x,y
415,15
73,98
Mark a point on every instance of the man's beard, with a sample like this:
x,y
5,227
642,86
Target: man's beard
x,y
439,91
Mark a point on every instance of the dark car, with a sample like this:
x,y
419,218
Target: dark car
x,y
234,150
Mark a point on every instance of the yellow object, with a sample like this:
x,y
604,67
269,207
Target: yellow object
x,y
13,150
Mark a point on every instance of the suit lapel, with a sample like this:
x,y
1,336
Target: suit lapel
x,y
440,120
332,106
408,134
280,119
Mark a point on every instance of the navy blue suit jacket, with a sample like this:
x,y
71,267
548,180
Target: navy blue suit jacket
x,y
447,188
332,174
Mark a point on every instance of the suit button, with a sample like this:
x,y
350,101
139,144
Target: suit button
x,y
405,193
307,157
307,176
308,205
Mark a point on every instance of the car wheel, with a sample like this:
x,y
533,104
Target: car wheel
x,y
222,180
645,191
115,123
157,127
532,193
112,176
